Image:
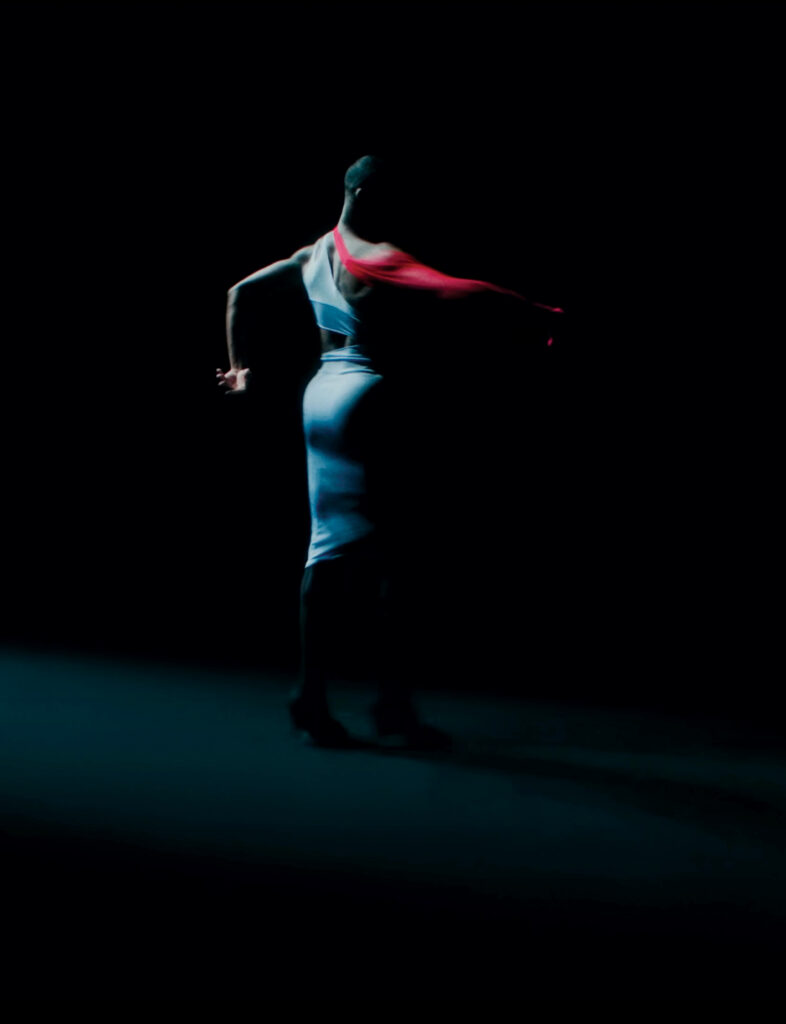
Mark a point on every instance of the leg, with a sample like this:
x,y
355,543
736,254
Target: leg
x,y
309,707
394,713
392,673
353,600
313,639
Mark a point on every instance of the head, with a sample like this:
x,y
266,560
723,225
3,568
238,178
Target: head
x,y
374,199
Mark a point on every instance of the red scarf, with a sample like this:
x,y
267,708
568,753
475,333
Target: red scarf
x,y
398,268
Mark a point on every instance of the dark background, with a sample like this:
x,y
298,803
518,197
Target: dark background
x,y
592,156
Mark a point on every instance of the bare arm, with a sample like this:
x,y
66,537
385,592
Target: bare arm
x,y
243,299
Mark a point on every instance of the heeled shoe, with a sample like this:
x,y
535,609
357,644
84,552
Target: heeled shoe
x,y
318,728
397,726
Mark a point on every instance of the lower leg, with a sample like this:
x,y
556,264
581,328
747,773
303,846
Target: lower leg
x,y
312,689
309,708
395,715
394,672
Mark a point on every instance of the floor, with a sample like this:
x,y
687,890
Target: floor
x,y
166,836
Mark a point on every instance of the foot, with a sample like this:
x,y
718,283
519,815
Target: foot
x,y
398,726
318,727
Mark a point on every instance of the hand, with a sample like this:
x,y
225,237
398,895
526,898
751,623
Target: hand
x,y
233,380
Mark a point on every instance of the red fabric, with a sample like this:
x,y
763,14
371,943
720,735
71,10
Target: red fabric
x,y
404,271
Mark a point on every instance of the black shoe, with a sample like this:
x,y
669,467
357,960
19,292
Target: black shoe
x,y
397,726
393,718
318,728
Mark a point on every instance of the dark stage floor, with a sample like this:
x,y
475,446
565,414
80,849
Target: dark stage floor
x,y
165,835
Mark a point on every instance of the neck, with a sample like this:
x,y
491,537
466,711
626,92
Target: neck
x,y
348,225
365,229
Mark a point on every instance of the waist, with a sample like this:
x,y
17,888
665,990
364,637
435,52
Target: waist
x,y
331,340
352,351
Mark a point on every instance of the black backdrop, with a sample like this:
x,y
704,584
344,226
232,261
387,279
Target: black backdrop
x,y
157,153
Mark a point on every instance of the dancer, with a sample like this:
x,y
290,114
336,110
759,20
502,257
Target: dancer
x,y
366,295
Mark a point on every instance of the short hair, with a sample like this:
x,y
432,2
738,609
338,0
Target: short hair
x,y
371,172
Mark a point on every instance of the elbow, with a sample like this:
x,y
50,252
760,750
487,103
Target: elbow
x,y
235,296
240,287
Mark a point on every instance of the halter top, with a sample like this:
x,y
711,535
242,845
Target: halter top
x,y
331,309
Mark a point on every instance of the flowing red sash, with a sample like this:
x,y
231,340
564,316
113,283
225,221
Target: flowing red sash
x,y
404,271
